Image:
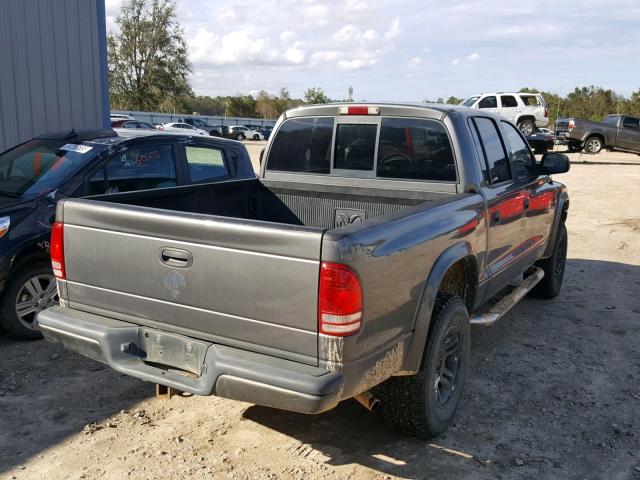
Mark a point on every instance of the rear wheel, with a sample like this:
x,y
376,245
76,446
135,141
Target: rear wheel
x,y
425,404
553,267
256,137
593,145
526,126
240,137
30,291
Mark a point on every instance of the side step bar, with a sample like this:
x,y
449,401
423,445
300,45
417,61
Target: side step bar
x,y
506,303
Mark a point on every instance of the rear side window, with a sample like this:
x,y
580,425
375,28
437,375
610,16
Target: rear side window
x,y
355,146
488,102
530,100
205,163
508,101
415,150
493,149
151,166
302,138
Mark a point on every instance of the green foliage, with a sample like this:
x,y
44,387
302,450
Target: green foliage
x,y
148,60
315,95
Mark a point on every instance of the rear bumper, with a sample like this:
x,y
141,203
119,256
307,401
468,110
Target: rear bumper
x,y
191,365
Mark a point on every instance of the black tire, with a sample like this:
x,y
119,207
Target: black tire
x,y
554,267
572,148
526,126
12,323
240,137
415,404
256,137
593,145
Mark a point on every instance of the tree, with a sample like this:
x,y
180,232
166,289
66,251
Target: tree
x,y
148,60
454,100
315,95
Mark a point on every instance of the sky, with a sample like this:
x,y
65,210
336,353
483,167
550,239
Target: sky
x,y
405,50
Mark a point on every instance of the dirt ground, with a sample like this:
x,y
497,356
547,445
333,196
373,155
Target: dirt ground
x,y
554,390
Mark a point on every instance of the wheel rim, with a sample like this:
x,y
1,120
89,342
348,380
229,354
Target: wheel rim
x,y
593,146
448,368
35,295
526,128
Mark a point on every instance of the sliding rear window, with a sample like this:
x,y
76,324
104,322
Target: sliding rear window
x,y
302,145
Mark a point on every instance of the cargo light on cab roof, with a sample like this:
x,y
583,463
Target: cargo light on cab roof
x,y
358,110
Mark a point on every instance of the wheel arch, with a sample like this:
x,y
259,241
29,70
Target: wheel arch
x,y
526,117
562,210
456,272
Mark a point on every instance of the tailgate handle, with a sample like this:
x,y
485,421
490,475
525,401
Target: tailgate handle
x,y
175,257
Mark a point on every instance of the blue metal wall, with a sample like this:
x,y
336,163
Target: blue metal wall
x,y
53,71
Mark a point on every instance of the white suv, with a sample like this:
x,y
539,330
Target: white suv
x,y
527,110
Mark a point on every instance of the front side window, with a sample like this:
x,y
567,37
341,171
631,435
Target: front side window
x,y
205,163
355,146
151,166
523,163
415,150
493,149
508,101
488,102
470,101
302,145
631,123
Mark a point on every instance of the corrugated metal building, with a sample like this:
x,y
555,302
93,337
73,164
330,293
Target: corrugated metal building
x,y
53,67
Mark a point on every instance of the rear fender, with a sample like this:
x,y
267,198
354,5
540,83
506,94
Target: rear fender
x,y
422,321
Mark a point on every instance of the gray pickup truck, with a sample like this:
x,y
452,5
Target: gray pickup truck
x,y
615,132
354,267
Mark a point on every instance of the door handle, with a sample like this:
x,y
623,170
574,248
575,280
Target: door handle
x,y
175,257
495,218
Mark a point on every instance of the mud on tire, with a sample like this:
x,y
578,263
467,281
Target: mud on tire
x,y
425,404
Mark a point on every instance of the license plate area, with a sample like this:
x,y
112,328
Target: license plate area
x,y
171,350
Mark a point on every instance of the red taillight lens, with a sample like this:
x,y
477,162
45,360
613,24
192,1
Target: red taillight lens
x,y
546,112
339,300
571,125
57,250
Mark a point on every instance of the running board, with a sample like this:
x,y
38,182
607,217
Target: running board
x,y
506,303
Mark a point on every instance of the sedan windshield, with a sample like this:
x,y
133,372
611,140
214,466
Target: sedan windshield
x,y
40,166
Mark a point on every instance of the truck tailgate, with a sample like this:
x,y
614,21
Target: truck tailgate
x,y
240,282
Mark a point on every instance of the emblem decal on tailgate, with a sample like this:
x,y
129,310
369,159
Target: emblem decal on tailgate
x,y
174,281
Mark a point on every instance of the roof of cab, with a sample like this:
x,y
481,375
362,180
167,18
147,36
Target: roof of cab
x,y
429,110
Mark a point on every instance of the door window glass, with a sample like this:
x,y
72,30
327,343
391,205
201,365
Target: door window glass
x,y
523,163
205,163
508,101
493,150
151,166
416,150
631,123
488,102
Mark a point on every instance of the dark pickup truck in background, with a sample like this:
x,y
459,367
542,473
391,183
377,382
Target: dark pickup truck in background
x,y
354,267
615,132
35,175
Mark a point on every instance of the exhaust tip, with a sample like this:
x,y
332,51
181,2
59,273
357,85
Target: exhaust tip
x,y
368,401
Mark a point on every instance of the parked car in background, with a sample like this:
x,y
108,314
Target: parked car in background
x,y
38,173
615,132
239,132
541,142
527,110
182,128
120,116
213,130
266,132
133,124
354,268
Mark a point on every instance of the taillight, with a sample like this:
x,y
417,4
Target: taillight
x,y
339,300
358,110
546,112
571,125
57,250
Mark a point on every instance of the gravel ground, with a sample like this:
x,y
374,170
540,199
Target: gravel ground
x,y
554,390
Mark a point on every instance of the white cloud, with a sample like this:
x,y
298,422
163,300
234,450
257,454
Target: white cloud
x,y
356,5
394,31
294,54
356,63
226,15
473,57
414,62
287,36
316,14
455,61
325,55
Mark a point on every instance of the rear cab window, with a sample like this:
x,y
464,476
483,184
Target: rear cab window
x,y
388,148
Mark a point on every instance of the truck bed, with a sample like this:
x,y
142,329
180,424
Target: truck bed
x,y
251,250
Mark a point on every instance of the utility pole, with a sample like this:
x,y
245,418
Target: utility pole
x,y
350,99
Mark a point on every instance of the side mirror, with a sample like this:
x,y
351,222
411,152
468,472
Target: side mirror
x,y
554,163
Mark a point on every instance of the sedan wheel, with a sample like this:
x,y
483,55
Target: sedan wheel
x,y
35,295
240,137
